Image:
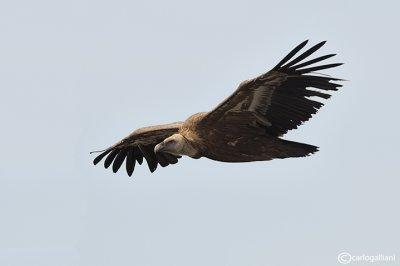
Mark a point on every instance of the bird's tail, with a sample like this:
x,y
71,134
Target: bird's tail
x,y
295,149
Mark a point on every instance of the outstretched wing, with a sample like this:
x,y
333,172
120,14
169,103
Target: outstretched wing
x,y
138,145
278,100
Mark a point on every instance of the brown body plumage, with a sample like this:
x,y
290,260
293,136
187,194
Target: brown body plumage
x,y
246,127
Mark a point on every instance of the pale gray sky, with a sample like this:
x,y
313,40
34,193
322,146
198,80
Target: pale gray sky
x,y
79,75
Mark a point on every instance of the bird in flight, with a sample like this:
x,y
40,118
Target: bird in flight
x,y
245,127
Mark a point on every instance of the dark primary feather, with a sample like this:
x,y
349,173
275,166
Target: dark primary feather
x,y
162,160
305,54
316,68
130,161
172,159
148,153
313,61
291,54
138,155
110,158
119,160
100,157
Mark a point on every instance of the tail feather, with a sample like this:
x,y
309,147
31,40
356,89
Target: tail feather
x,y
295,149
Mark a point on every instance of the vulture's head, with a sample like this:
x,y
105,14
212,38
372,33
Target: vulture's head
x,y
176,145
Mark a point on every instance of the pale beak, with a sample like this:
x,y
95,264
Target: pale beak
x,y
159,147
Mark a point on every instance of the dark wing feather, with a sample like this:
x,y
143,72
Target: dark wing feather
x,y
100,157
278,100
316,68
313,61
110,158
130,161
290,54
138,155
119,159
305,54
172,159
138,145
162,160
149,154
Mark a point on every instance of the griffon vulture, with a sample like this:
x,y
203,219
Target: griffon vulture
x,y
245,127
